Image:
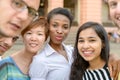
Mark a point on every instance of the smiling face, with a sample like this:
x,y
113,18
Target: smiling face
x,y
89,45
114,11
59,28
34,39
6,44
12,22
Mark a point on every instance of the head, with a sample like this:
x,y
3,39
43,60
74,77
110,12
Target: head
x,y
6,43
92,32
114,11
35,35
91,45
59,20
15,15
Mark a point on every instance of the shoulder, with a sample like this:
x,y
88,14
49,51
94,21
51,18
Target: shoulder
x,y
6,63
38,69
7,60
69,47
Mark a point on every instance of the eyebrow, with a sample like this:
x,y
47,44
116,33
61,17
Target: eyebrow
x,y
88,37
28,5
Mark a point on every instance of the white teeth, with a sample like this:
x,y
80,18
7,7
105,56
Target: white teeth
x,y
33,44
87,52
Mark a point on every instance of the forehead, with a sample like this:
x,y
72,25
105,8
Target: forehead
x,y
33,3
60,17
89,32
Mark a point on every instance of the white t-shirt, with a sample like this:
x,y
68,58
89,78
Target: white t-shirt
x,y
50,65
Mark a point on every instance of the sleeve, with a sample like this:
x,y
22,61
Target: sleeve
x,y
38,70
3,71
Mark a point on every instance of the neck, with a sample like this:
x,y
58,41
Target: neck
x,y
23,60
23,55
96,64
57,47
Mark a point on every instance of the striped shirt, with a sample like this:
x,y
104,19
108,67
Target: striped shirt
x,y
10,71
99,74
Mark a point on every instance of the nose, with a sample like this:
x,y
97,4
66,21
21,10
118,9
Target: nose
x,y
59,30
33,37
85,45
118,8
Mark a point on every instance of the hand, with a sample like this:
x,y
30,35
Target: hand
x,y
114,66
119,76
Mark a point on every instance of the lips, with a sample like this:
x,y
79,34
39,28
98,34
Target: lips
x,y
3,48
15,26
87,53
33,44
58,38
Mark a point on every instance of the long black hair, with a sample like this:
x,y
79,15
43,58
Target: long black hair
x,y
79,64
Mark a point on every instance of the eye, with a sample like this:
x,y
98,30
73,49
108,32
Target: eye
x,y
28,33
32,12
15,38
80,41
112,4
54,25
40,34
18,4
92,40
66,26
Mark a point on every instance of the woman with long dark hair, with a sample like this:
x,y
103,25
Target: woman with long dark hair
x,y
91,53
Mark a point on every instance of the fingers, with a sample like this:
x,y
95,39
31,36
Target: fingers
x,y
119,76
115,69
110,70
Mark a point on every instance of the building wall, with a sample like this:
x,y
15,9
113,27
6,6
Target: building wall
x,y
91,10
84,10
54,3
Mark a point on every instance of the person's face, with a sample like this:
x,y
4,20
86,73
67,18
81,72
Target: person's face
x,y
114,11
15,15
6,43
59,28
34,39
89,45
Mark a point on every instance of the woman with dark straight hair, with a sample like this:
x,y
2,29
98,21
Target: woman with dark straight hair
x,y
91,53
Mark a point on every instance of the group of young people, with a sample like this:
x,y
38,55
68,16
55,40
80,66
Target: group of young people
x,y
89,59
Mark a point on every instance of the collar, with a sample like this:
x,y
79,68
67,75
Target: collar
x,y
49,50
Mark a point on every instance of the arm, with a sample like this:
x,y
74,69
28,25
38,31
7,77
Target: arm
x,y
38,70
114,66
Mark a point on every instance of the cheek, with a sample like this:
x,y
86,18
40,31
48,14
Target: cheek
x,y
42,40
79,48
26,39
98,47
66,33
112,12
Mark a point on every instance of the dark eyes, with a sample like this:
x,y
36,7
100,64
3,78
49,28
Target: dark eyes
x,y
112,4
64,26
84,40
15,38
